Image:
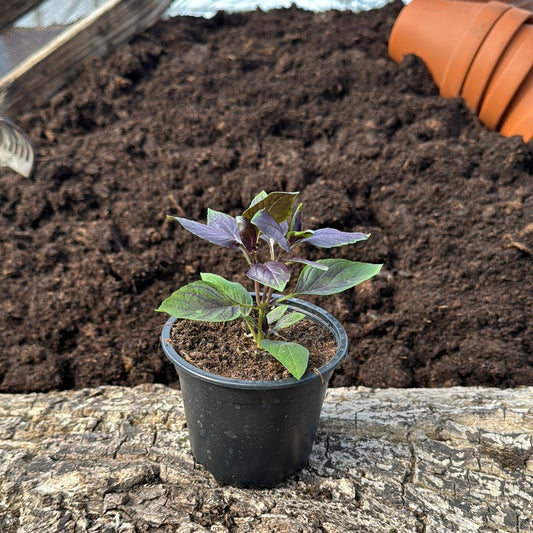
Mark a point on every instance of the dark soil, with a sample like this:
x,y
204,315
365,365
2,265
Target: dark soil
x,y
195,114
228,349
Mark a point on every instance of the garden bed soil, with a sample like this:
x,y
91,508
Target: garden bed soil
x,y
200,113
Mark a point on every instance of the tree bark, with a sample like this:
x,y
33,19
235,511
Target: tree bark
x,y
116,459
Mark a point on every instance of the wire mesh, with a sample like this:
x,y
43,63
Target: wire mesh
x,y
40,26
208,8
50,18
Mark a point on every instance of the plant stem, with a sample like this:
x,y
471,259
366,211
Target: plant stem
x,y
272,251
251,325
260,318
269,296
263,297
257,295
258,335
246,256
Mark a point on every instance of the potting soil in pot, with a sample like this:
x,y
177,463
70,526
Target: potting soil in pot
x,y
201,113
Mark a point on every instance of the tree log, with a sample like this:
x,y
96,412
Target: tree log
x,y
115,459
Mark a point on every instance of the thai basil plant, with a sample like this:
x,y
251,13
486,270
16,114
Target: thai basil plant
x,y
269,233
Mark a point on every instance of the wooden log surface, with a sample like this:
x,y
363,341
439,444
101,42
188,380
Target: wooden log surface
x,y
115,459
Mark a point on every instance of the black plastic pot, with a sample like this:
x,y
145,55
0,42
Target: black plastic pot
x,y
254,433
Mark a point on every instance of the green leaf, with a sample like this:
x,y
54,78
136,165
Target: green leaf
x,y
294,236
201,301
277,204
258,198
292,356
341,275
276,313
233,290
288,320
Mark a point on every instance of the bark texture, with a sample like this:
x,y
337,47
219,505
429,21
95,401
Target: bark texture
x,y
115,459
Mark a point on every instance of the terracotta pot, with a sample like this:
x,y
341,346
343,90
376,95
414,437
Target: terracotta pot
x,y
512,69
494,47
479,50
518,119
466,51
446,35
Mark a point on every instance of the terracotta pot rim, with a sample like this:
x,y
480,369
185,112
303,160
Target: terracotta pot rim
x,y
464,53
414,30
487,58
516,120
506,83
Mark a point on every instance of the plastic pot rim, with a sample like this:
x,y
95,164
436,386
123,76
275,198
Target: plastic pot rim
x,y
312,311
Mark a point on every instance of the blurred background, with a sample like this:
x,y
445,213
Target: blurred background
x,y
207,8
42,24
53,12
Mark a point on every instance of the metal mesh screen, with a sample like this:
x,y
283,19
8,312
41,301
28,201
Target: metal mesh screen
x,y
40,26
208,8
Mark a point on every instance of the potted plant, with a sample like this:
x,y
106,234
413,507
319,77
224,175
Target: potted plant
x,y
258,429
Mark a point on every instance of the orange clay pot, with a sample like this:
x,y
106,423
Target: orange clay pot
x,y
495,50
468,47
519,117
446,35
477,49
514,66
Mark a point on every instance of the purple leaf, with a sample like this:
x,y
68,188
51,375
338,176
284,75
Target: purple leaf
x,y
247,232
330,238
314,264
221,229
272,274
224,222
297,221
266,223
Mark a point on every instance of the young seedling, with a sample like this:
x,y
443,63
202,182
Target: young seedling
x,y
271,221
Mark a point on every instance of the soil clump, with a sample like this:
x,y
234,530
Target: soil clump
x,y
200,113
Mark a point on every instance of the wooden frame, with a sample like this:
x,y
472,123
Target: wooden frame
x,y
47,70
15,9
